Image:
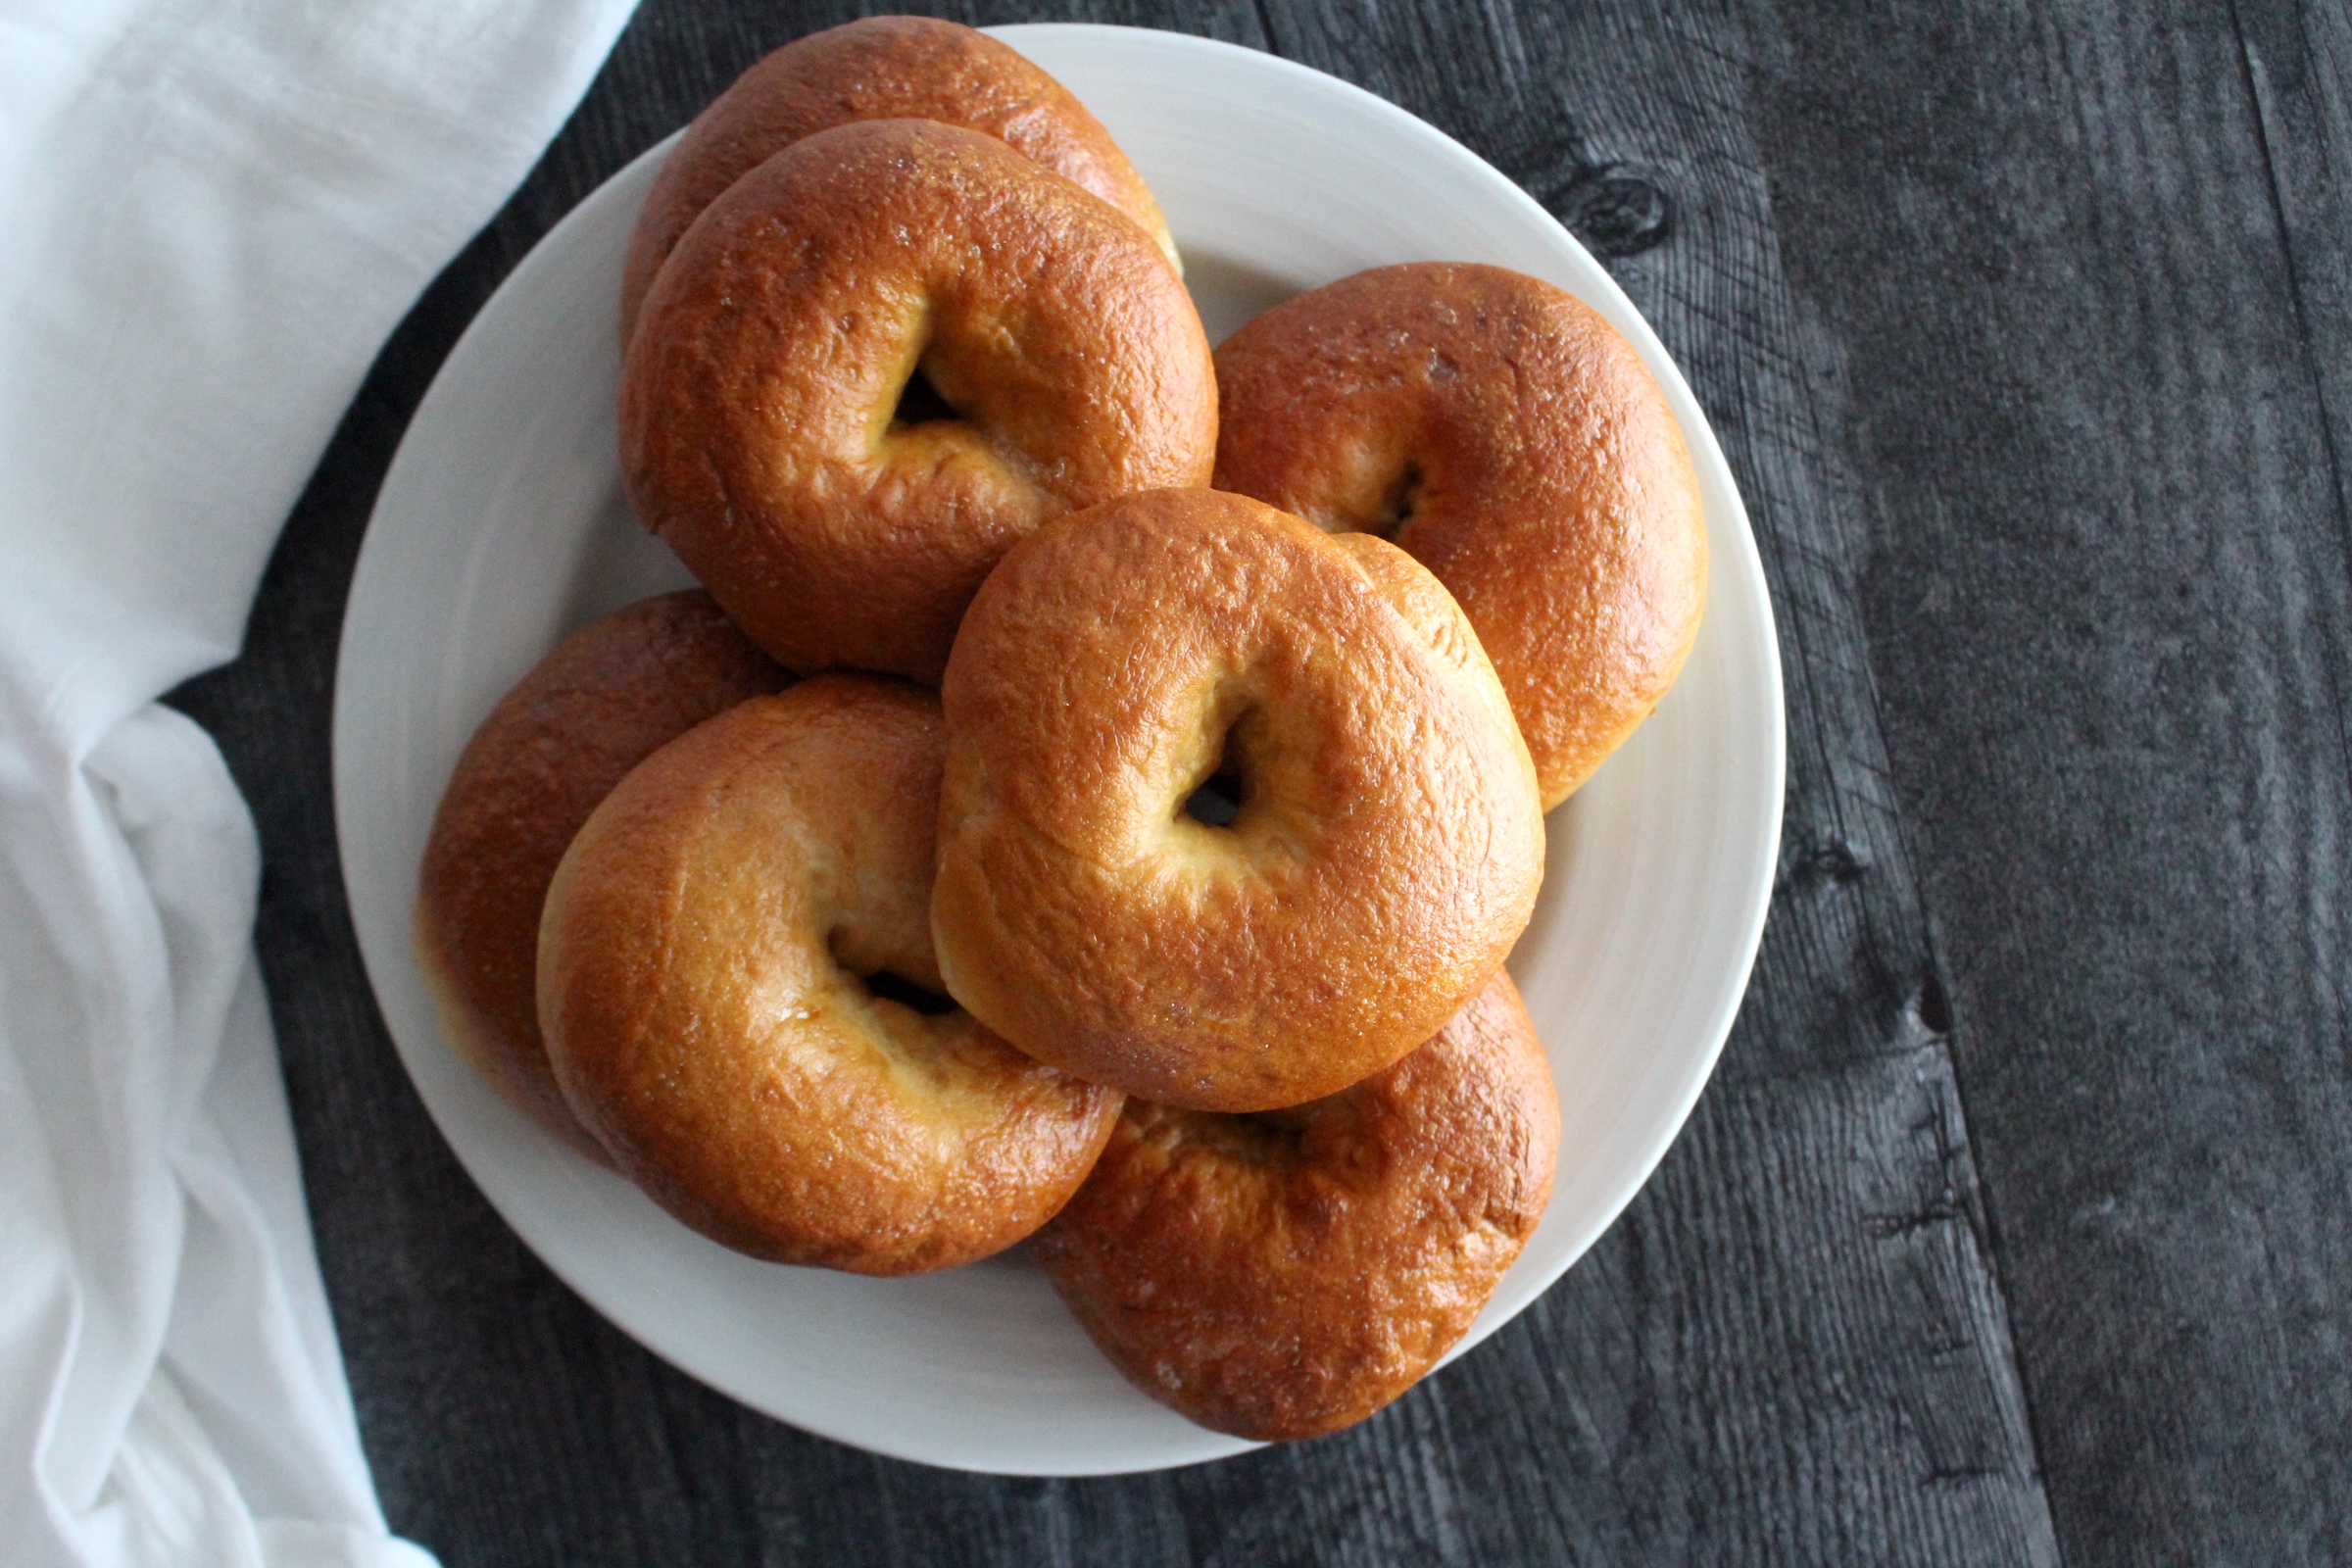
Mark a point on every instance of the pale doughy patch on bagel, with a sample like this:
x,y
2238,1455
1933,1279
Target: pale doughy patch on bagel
x,y
1329,1254
1384,853
722,968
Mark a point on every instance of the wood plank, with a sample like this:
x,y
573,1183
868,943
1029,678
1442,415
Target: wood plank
x,y
2106,598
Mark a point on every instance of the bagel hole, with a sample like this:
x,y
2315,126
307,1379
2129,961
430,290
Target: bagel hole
x,y
1254,1138
921,403
889,987
1282,1129
1216,802
1221,798
1397,509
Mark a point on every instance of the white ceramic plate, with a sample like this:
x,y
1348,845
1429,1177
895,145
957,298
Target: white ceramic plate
x,y
501,527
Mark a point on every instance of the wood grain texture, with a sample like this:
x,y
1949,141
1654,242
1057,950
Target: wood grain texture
x,y
2091,365
2026,330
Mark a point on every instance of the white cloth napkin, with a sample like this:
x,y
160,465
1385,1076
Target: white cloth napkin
x,y
212,213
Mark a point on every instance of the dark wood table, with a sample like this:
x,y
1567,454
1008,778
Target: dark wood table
x,y
2016,1226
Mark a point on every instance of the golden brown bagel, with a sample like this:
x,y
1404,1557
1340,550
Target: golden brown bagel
x,y
1507,437
605,699
1387,844
880,68
700,983
758,433
1286,1275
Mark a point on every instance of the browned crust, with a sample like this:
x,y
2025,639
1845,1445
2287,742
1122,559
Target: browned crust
x,y
603,701
1288,1275
1386,855
756,428
880,68
1551,492
699,982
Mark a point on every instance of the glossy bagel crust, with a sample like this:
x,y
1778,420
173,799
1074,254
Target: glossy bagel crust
x,y
700,969
758,436
1286,1275
1508,439
607,698
1388,843
879,68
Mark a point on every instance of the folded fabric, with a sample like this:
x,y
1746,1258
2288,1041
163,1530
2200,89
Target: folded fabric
x,y
216,212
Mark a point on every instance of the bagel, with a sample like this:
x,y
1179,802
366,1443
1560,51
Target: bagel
x,y
1286,1275
705,962
1386,847
760,433
607,695
1508,439
879,68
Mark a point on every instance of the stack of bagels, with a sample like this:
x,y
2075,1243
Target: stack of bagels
x,y
1093,795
